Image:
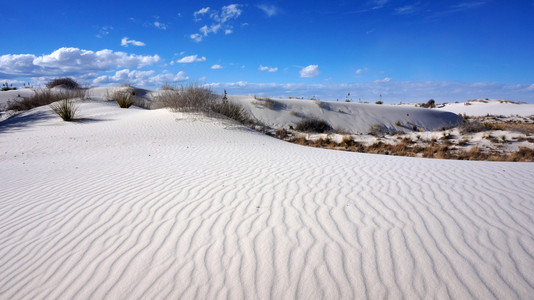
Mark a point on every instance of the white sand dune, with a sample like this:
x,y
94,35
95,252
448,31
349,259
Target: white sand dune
x,y
349,117
131,204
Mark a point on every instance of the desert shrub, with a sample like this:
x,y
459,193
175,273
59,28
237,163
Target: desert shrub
x,y
233,111
313,125
281,133
66,109
429,104
379,102
66,82
472,126
125,98
189,98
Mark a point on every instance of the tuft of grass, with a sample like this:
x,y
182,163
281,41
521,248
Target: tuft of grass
x,y
313,125
66,109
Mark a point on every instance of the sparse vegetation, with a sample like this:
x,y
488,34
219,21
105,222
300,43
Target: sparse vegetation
x,y
7,87
429,104
66,109
379,102
189,98
44,97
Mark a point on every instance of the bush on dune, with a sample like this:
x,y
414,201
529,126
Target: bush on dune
x,y
189,98
313,125
66,83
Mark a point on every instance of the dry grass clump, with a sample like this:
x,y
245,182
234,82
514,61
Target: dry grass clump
x,y
522,154
313,125
189,98
124,97
66,109
44,97
65,82
472,126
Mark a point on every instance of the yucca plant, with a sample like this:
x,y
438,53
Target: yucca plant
x,y
66,109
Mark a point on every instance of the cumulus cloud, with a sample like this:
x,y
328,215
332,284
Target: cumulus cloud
x,y
310,71
268,69
191,59
269,10
140,78
71,61
216,67
221,21
125,42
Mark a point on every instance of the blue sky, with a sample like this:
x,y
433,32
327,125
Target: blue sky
x,y
402,50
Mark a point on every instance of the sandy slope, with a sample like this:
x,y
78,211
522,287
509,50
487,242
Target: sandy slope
x,y
133,203
349,117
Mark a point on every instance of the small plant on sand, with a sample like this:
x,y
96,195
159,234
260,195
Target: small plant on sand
x,y
66,109
379,102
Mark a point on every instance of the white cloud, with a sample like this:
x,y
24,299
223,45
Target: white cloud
x,y
200,12
377,4
160,25
310,71
191,59
269,10
104,31
71,61
221,21
387,79
216,67
140,78
196,37
125,42
268,69
360,71
405,10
